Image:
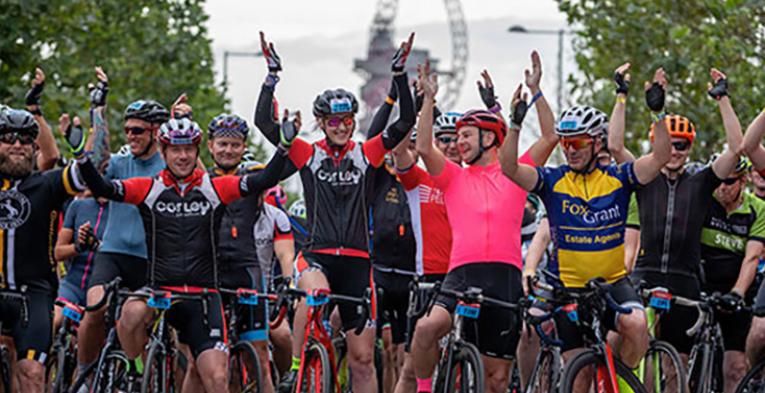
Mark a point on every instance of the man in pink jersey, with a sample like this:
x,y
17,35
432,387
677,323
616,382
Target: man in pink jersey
x,y
485,210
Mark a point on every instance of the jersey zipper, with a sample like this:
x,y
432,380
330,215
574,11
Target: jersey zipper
x,y
668,225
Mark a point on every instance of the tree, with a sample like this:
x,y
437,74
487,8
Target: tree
x,y
153,49
684,37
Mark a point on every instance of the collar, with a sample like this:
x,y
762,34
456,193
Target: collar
x,y
193,180
336,152
218,171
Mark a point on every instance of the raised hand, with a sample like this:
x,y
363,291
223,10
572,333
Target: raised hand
x,y
655,92
99,91
289,129
486,91
32,98
720,87
181,109
269,53
622,79
534,76
74,135
399,58
518,108
427,80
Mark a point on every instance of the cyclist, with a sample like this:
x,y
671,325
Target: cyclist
x,y
29,205
336,178
483,206
731,244
123,251
179,209
668,215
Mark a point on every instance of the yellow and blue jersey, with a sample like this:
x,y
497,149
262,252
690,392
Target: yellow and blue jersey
x,y
587,214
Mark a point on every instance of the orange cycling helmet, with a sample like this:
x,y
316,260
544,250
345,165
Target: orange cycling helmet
x,y
678,127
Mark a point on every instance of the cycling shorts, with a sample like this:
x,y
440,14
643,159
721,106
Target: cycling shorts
x,y
251,319
497,330
393,302
109,265
74,285
734,327
673,324
349,276
33,339
623,293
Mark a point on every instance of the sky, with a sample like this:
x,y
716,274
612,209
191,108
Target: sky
x,y
318,41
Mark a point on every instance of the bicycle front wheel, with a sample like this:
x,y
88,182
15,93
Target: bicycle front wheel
x,y
546,373
700,368
317,376
464,374
157,371
662,369
104,376
244,368
589,368
754,380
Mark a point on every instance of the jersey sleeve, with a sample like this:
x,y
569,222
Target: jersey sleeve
x,y
757,231
374,151
228,188
626,174
544,180
300,152
412,177
526,158
282,227
64,183
711,181
451,170
135,190
633,215
70,214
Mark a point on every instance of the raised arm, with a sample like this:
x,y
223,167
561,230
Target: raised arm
x,y
260,181
380,119
49,154
525,176
540,151
98,140
617,122
648,166
726,162
397,131
433,158
265,118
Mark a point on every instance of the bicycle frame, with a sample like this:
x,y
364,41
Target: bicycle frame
x,y
315,328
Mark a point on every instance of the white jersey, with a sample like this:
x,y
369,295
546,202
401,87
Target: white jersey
x,y
273,224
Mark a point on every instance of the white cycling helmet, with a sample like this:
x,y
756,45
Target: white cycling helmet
x,y
447,122
582,120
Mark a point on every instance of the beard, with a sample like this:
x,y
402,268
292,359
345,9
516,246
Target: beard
x,y
17,168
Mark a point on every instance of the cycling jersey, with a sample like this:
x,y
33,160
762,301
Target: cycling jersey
x,y
273,225
670,219
587,214
485,210
124,232
80,267
181,219
28,222
430,222
390,225
724,238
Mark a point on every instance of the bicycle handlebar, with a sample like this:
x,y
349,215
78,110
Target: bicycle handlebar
x,y
109,289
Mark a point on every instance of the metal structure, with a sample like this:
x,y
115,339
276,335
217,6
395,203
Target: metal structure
x,y
375,69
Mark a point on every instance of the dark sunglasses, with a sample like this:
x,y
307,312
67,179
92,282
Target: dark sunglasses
x,y
335,121
681,145
731,180
11,138
135,130
447,139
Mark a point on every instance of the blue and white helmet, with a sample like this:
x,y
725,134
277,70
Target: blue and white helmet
x,y
582,120
297,209
446,123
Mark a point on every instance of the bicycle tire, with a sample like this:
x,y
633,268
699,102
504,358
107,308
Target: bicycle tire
x,y
103,378
318,375
591,358
466,360
658,351
754,380
241,379
155,373
700,374
546,373
5,368
59,370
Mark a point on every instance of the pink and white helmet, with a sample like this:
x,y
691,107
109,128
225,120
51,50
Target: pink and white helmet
x,y
180,132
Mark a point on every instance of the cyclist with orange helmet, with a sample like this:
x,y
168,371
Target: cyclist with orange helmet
x,y
668,208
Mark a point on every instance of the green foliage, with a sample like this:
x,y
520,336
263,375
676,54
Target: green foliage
x,y
153,49
687,38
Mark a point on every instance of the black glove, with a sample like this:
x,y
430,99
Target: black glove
x,y
518,114
75,137
34,94
281,282
720,89
487,96
622,85
399,60
287,133
89,243
731,301
272,59
654,97
98,93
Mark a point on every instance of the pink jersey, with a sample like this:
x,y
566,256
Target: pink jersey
x,y
485,212
429,221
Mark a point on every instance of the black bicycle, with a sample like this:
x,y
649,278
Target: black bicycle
x,y
7,296
61,366
546,374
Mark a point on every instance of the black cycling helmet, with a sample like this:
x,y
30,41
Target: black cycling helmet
x,y
18,120
147,110
335,101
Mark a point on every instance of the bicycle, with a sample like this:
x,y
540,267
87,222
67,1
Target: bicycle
x,y
653,371
546,374
6,371
596,363
245,370
61,366
317,372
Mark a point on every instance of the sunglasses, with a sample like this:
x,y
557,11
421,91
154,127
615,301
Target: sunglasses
x,y
576,143
135,130
336,121
447,139
681,145
731,180
11,138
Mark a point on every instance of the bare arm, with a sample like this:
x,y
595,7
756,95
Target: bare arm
x,y
754,248
64,245
285,252
631,248
536,250
541,150
753,141
433,158
401,156
524,175
648,166
616,124
48,154
727,161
